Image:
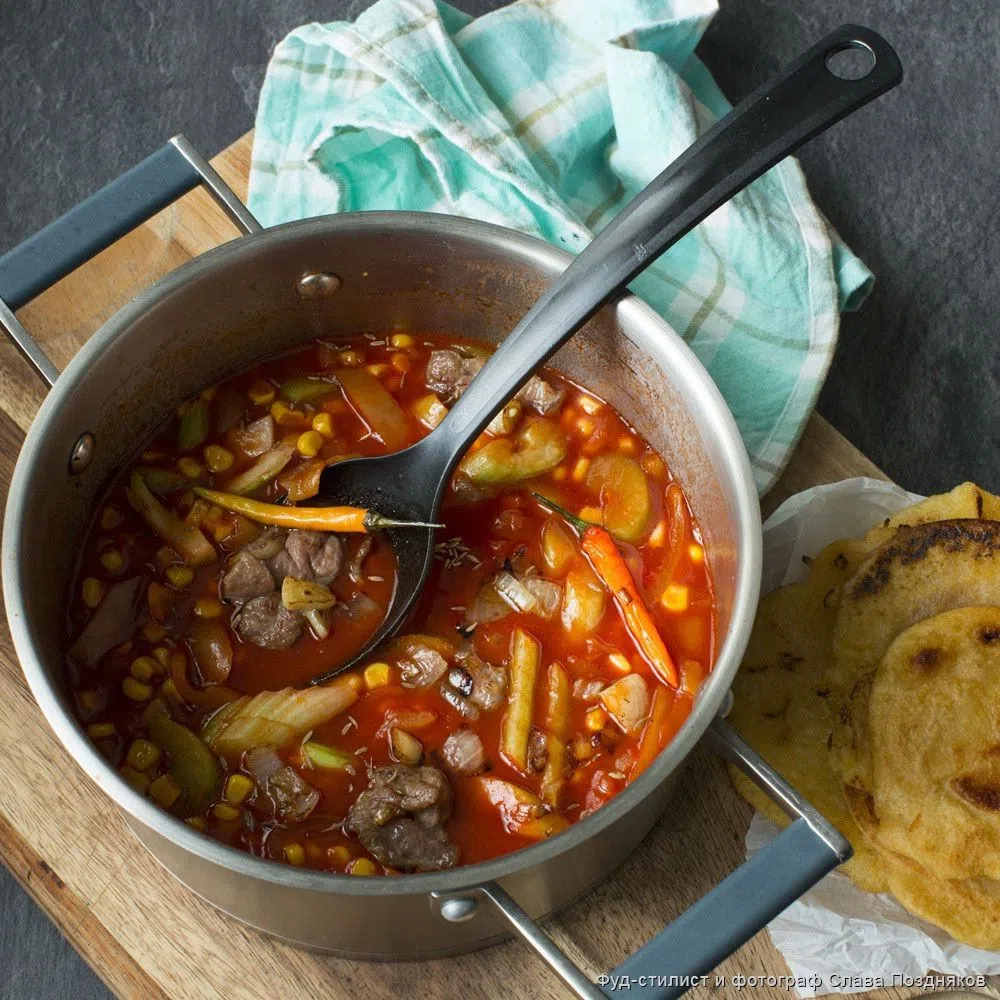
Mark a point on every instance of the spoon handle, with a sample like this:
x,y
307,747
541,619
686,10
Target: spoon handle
x,y
802,101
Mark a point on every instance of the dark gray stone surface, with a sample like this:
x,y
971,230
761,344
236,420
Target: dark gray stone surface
x,y
89,88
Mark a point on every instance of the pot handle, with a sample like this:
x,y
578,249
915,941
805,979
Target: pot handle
x,y
714,927
41,260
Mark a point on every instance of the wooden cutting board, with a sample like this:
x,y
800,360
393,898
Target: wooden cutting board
x,y
145,934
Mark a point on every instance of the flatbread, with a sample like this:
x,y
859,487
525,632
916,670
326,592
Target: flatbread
x,y
934,742
782,707
921,571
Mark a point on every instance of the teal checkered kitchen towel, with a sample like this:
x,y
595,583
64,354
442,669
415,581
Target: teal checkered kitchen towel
x,y
548,116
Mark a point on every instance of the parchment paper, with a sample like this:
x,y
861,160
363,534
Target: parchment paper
x,y
836,932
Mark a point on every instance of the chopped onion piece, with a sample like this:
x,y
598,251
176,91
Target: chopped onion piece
x,y
423,668
487,606
463,752
546,593
587,689
514,592
463,706
358,607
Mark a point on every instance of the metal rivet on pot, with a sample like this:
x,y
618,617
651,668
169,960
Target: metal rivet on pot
x,y
460,909
317,285
82,454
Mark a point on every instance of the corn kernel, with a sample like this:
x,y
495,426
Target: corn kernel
x,y
675,598
591,514
350,359
595,720
112,560
283,414
162,656
144,668
165,791
589,405
376,674
322,423
400,362
568,417
189,467
238,787
401,340
222,530
101,730
585,427
207,607
93,591
314,852
658,536
580,470
619,663
261,392
294,854
392,385
111,517
143,755
90,702
696,553
339,855
217,458
309,444
152,455
198,822
153,631
559,473
582,748
653,465
225,811
628,445
180,576
363,866
209,394
379,370
138,780
136,690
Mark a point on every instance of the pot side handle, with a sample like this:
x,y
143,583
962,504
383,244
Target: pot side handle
x,y
72,239
719,923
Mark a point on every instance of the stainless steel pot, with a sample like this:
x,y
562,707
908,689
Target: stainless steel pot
x,y
258,295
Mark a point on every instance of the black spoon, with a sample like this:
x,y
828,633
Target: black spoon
x,y
802,101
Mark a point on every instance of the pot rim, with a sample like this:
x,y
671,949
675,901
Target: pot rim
x,y
546,259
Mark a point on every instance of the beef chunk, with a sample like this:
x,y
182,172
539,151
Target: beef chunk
x,y
315,556
246,577
449,374
404,843
400,816
268,543
257,437
281,786
541,396
265,622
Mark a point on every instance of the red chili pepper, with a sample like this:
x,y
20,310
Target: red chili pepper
x,y
602,551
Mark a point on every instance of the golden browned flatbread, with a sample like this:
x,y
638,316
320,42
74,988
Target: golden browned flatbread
x,y
782,707
921,571
934,741
964,501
